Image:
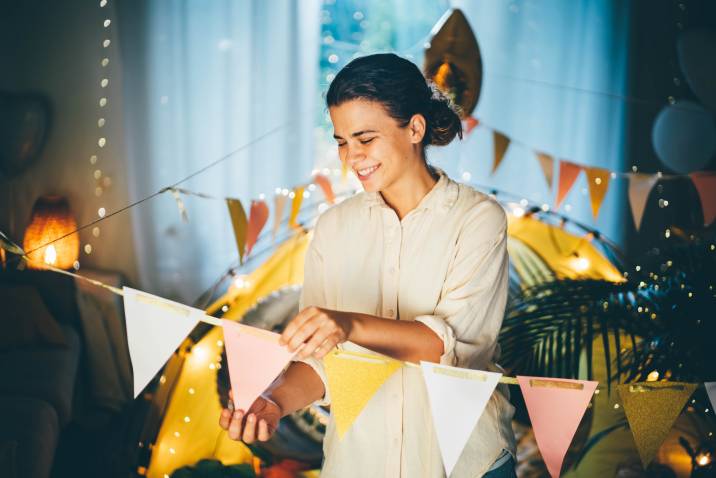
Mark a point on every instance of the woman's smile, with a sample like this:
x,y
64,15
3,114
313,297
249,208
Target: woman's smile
x,y
366,173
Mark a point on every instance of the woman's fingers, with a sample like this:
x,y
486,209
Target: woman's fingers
x,y
225,419
303,334
263,430
235,425
295,324
319,336
323,349
250,429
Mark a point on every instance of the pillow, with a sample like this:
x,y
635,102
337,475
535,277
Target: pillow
x,y
25,320
7,458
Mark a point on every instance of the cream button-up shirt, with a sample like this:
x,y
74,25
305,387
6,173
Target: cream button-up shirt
x,y
445,264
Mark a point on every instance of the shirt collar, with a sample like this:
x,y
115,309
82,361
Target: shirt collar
x,y
440,198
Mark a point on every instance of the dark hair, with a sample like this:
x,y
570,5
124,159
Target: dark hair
x,y
401,88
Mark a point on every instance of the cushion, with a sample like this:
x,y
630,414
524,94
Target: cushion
x,y
26,320
42,372
31,428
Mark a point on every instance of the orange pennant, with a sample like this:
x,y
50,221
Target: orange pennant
x,y
705,184
296,205
568,173
325,185
279,204
469,124
640,185
547,163
500,145
257,220
598,180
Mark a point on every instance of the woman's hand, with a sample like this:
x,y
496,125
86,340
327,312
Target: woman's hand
x,y
260,421
319,330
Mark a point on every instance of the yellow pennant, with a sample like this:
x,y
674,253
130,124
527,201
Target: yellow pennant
x,y
296,205
500,145
240,223
353,379
598,180
651,409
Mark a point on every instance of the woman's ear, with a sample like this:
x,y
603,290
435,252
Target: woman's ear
x,y
417,127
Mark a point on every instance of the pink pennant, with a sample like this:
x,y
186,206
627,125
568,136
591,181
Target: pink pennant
x,y
255,360
257,220
568,173
469,124
556,407
705,184
325,185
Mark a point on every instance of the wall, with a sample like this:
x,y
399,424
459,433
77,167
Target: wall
x,y
55,48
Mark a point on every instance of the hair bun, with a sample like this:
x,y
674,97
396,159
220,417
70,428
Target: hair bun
x,y
444,122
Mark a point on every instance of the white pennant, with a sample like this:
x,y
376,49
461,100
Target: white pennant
x,y
458,397
155,328
711,391
640,186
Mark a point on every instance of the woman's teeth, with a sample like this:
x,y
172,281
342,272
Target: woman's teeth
x,y
367,171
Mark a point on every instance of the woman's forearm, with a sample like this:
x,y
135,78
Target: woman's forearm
x,y
298,387
409,341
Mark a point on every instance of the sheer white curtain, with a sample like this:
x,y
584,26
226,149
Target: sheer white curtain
x,y
202,79
531,51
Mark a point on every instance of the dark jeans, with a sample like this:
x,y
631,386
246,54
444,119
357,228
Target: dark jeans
x,y
507,470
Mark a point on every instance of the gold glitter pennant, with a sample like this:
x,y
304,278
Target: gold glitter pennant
x,y
651,409
240,224
353,379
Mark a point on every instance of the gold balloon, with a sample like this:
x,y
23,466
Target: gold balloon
x,y
453,61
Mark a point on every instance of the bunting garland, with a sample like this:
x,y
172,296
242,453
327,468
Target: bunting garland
x,y
599,178
257,220
157,326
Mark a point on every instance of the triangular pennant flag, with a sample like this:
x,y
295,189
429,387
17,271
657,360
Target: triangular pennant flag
x,y
706,186
598,180
325,185
458,397
180,205
155,328
651,409
640,185
239,222
568,173
296,205
547,163
353,379
255,360
711,392
344,171
279,204
257,220
500,145
469,124
555,406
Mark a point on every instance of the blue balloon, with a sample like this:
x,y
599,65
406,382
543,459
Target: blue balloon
x,y
697,57
684,136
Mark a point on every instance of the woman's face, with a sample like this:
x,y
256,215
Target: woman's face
x,y
373,144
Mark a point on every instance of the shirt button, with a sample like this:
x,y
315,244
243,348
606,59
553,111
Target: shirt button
x,y
392,270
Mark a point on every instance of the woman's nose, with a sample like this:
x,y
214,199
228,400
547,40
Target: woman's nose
x,y
355,155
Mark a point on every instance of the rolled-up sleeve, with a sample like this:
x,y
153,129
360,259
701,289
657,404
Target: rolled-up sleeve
x,y
469,314
313,294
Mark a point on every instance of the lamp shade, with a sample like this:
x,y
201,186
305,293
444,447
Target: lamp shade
x,y
51,218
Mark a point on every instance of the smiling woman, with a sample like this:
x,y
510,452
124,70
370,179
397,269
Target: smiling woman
x,y
414,267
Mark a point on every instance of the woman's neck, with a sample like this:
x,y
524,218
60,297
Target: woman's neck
x,y
407,192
